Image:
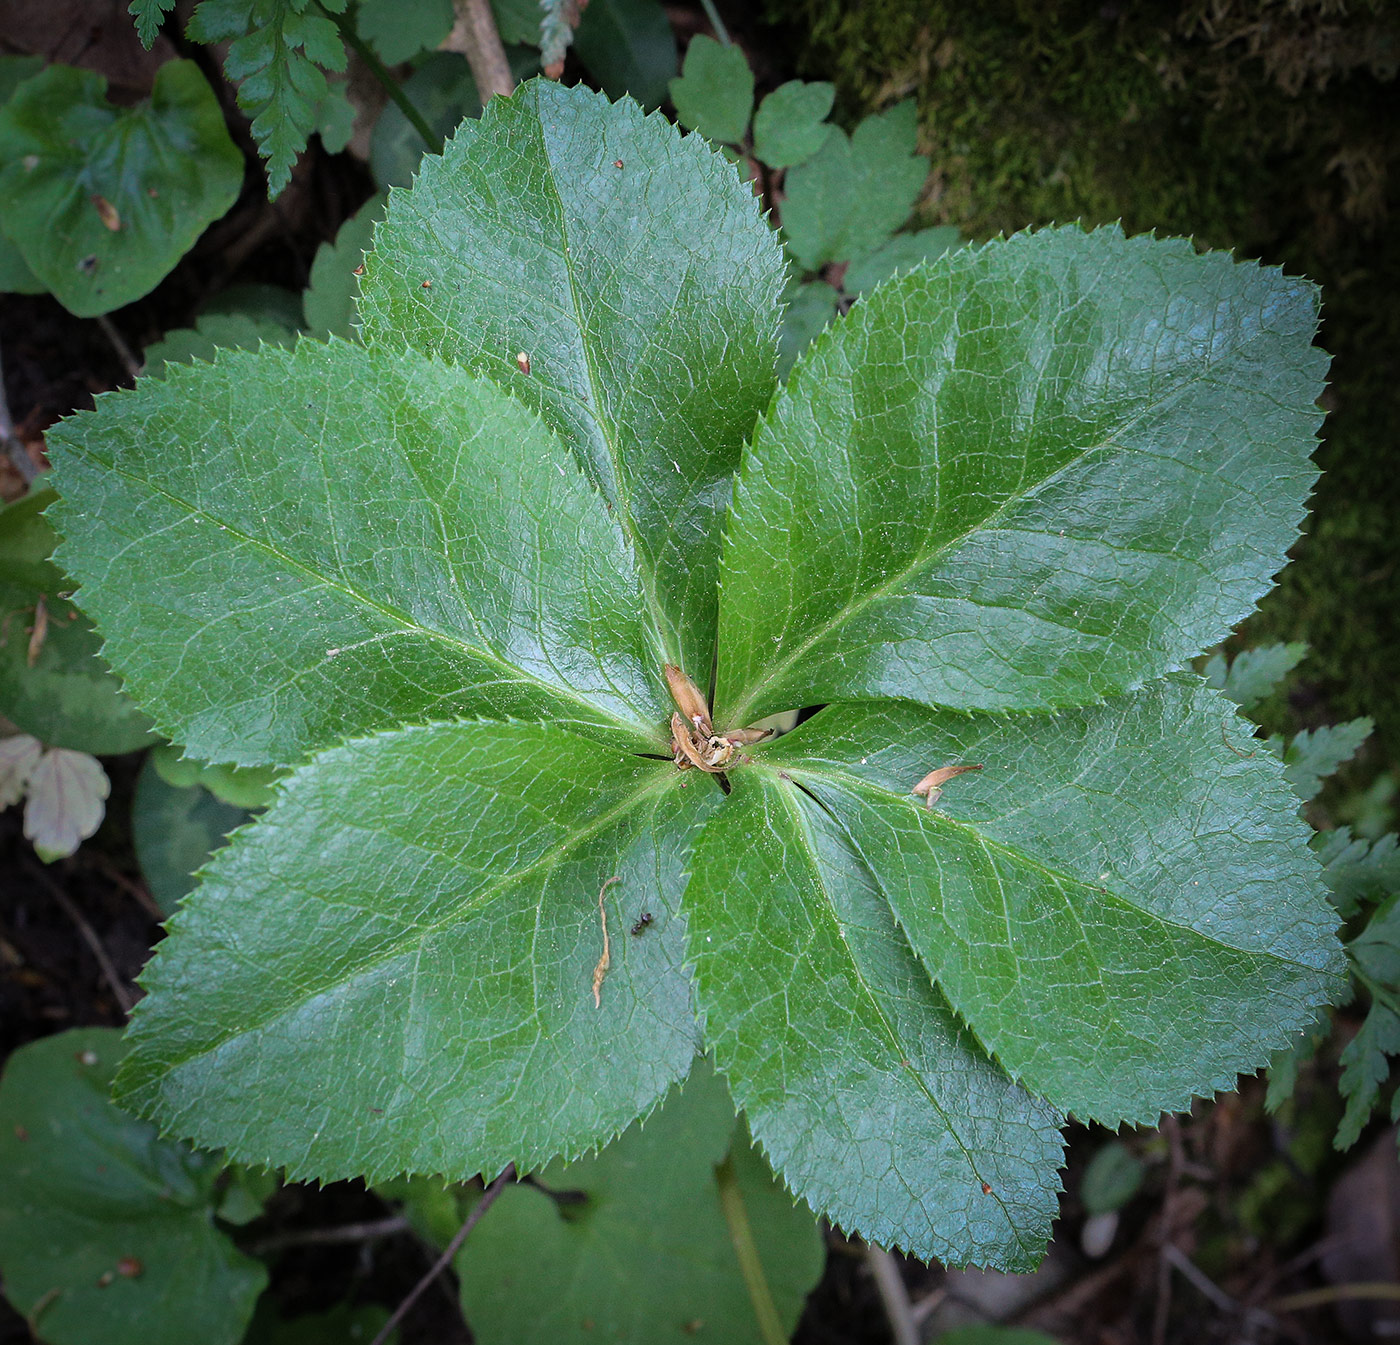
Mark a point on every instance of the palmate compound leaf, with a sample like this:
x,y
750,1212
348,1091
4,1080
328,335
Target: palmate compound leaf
x,y
287,547
1028,475
632,270
1121,903
392,970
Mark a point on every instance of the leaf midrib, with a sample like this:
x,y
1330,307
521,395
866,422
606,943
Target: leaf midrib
x,y
933,817
606,427
408,623
929,554
891,1034
480,897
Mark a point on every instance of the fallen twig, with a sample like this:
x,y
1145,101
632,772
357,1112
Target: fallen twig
x,y
449,1252
122,995
475,36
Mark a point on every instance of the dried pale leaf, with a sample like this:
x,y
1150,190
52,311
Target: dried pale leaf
x,y
67,793
18,757
688,697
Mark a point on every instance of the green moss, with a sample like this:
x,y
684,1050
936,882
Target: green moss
x,y
1265,126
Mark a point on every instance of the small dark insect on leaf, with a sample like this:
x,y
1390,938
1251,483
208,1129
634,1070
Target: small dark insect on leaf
x,y
643,921
986,1188
426,285
130,1267
523,360
359,270
617,163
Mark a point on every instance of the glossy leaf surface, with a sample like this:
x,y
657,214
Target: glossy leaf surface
x,y
392,970
1121,903
867,1095
106,1231
643,296
383,538
1028,475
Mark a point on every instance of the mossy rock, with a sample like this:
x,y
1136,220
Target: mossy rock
x,y
1265,127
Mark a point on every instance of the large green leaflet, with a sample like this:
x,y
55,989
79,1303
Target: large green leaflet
x,y
630,267
107,1232
397,960
844,1056
1036,476
1101,901
348,541
1084,469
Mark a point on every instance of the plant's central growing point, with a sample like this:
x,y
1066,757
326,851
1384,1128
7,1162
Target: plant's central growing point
x,y
694,742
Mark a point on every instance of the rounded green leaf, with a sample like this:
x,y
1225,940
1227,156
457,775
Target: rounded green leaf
x,y
286,547
790,124
53,684
1121,903
174,831
102,201
869,1098
647,1252
1028,475
393,970
630,271
714,93
106,1232
329,300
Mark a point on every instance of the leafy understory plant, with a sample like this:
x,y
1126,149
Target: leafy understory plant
x,y
442,574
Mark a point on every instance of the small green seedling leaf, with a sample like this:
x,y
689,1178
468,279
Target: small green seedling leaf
x,y
175,831
211,333
643,1239
1315,754
714,92
397,31
808,310
1111,1180
902,253
329,300
242,786
1254,674
790,124
102,201
106,1231
854,192
629,48
53,684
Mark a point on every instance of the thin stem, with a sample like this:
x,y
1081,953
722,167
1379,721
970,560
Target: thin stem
x,y
313,1237
736,1216
716,22
476,36
109,972
445,1259
1335,1293
893,1295
389,84
133,365
16,451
